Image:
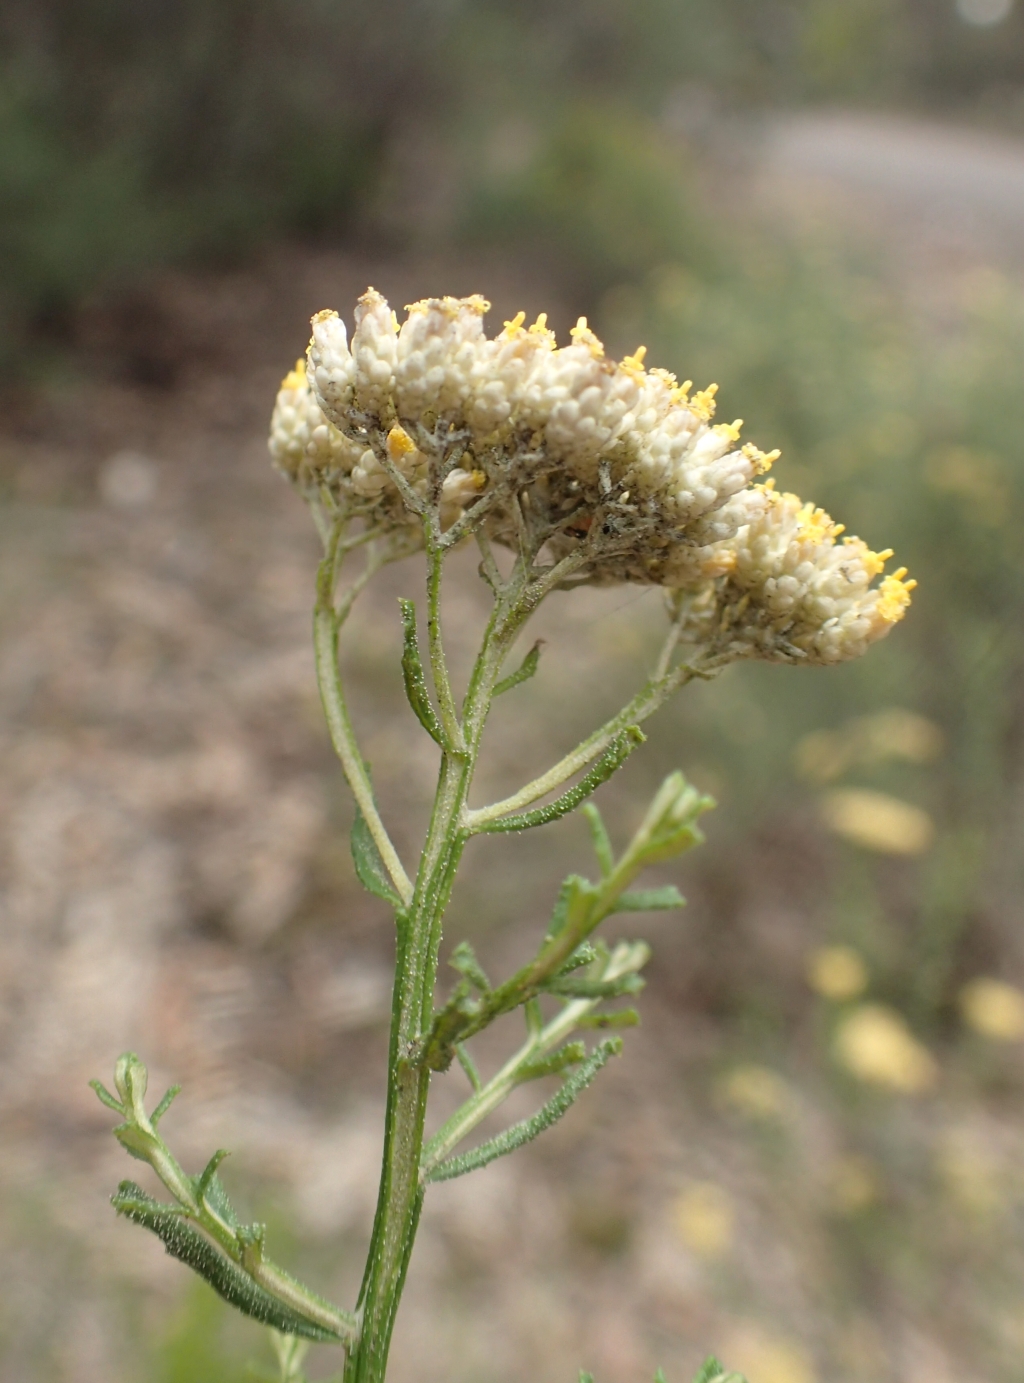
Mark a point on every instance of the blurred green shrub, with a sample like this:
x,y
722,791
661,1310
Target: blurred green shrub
x,y
599,192
134,135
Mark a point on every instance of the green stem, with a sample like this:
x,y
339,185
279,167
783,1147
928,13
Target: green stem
x,y
326,626
419,935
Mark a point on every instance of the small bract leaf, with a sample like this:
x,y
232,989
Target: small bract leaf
x,y
370,868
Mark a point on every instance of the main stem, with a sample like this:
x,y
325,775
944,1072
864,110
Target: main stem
x,y
419,936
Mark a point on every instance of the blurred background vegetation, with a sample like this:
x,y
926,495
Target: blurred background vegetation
x,y
611,147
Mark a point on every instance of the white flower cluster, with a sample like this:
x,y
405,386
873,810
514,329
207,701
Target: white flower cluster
x,y
601,454
788,590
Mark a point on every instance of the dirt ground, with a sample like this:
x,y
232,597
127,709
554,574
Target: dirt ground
x,y
177,881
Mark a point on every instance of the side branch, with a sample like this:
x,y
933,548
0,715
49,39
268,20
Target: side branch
x,y
644,704
325,643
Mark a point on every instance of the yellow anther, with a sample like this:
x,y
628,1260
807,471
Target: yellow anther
x,y
583,336
634,364
703,402
515,324
295,379
399,443
730,430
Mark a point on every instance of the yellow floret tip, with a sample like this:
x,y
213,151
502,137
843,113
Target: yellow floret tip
x,y
703,402
399,443
634,364
894,596
515,325
295,379
730,430
583,336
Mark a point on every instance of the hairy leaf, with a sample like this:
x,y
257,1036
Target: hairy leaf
x,y
528,1129
650,900
613,758
226,1278
412,673
523,673
370,868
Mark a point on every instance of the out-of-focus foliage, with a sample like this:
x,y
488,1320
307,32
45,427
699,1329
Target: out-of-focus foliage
x,y
134,135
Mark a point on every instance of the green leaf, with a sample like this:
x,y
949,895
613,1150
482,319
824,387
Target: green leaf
x,y
624,1018
574,893
215,1195
571,1054
712,1371
226,1278
528,1129
600,838
468,1065
164,1105
584,954
650,900
412,673
370,868
524,672
612,759
579,987
463,959
105,1097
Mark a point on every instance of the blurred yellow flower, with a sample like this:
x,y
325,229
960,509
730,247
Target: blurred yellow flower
x,y
705,1219
837,973
875,1045
895,733
876,821
854,1184
768,1359
755,1091
994,1009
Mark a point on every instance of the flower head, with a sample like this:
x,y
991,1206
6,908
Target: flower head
x,y
617,466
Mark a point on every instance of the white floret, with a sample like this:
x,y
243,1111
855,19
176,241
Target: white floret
x,y
375,350
437,351
330,367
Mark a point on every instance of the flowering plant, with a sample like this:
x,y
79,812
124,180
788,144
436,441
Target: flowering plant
x,y
565,468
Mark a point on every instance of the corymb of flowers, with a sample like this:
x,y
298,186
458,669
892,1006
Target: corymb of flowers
x,y
604,469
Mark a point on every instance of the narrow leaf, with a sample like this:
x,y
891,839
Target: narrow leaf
x,y
586,1377
554,1064
370,868
468,1065
714,1372
624,1018
164,1105
524,672
412,672
573,891
579,987
528,1129
463,959
600,838
650,900
226,1278
612,759
583,955
208,1173
105,1097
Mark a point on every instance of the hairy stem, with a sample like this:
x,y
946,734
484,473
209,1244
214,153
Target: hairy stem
x,y
326,625
419,936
